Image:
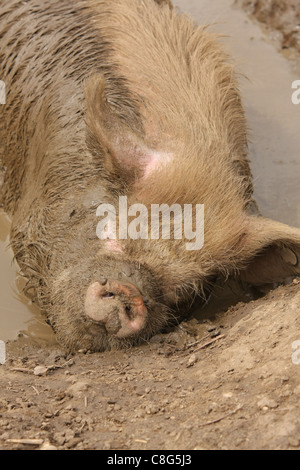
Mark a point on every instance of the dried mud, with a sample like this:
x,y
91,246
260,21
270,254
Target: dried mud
x,y
226,383
281,18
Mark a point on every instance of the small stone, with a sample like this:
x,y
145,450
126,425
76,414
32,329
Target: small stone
x,y
40,370
215,333
211,328
152,409
47,446
228,395
267,403
192,360
111,401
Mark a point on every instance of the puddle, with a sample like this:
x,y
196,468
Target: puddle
x,y
274,150
17,313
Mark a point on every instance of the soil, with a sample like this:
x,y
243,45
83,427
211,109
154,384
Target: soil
x,y
226,383
281,18
226,379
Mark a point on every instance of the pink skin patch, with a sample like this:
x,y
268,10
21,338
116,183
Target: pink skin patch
x,y
130,155
113,246
155,160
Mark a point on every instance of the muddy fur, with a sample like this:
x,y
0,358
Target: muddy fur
x,y
93,88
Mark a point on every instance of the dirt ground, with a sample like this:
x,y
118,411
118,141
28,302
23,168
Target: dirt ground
x,y
230,383
281,18
223,381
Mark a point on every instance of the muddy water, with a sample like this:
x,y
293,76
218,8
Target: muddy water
x,y
274,149
17,314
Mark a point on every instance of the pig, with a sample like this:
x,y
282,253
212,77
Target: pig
x,y
125,98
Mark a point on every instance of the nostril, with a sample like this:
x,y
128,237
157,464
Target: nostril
x,y
108,295
129,312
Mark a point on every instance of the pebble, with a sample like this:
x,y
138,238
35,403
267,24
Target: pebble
x,y
267,403
215,333
47,446
192,360
40,370
211,328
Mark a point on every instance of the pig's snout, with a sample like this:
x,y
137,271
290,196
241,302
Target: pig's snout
x,y
119,306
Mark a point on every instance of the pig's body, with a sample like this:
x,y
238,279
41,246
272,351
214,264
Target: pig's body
x,y
107,99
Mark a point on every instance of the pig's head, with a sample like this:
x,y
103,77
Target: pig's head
x,y
115,292
110,299
105,301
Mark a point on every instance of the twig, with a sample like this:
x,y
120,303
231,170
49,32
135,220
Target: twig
x,y
30,442
57,366
35,389
47,368
221,418
209,343
196,342
20,369
185,352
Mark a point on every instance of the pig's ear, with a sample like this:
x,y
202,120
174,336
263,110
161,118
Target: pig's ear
x,y
276,252
116,135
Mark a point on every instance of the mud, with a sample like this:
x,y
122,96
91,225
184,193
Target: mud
x,y
226,384
18,315
280,18
224,379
